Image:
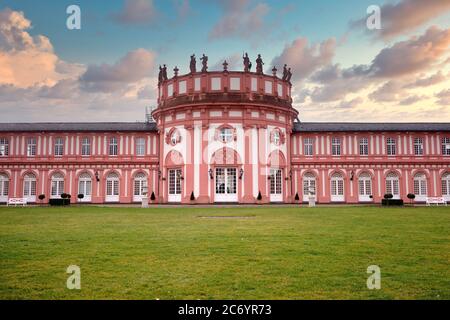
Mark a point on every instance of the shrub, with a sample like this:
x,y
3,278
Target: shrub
x,y
192,196
297,198
411,197
388,196
80,196
41,197
259,197
153,197
69,196
63,195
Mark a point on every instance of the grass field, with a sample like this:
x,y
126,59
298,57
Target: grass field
x,y
267,253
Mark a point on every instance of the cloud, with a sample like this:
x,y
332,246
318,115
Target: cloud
x,y
239,20
137,12
405,16
134,66
304,59
443,97
412,100
428,81
25,60
234,62
413,55
351,103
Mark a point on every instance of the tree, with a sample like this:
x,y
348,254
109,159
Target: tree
x,y
153,197
297,198
192,196
41,197
259,197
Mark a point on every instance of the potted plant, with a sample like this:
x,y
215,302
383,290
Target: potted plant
x,y
153,197
296,198
411,197
192,198
41,197
259,198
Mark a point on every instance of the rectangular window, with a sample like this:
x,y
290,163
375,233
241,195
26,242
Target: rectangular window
x,y
197,84
140,146
59,147
182,87
85,147
268,87
235,84
418,146
254,84
216,84
170,90
390,147
31,147
4,147
280,89
308,145
336,146
364,147
445,146
113,146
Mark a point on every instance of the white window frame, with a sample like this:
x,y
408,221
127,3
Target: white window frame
x,y
393,185
391,146
363,146
139,184
4,147
309,184
445,184
335,146
57,186
420,187
418,146
112,187
365,187
308,146
85,187
31,147
445,143
85,146
337,188
113,146
4,187
140,146
58,147
226,134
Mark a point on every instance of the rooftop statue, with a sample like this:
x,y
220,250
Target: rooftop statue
x,y
193,64
259,65
164,73
247,63
204,60
289,75
160,75
285,72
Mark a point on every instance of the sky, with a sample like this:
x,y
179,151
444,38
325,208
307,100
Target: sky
x,y
342,70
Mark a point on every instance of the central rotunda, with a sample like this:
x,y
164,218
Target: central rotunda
x,y
224,135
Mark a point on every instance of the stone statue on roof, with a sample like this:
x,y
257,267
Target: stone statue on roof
x,y
204,60
193,64
247,63
259,65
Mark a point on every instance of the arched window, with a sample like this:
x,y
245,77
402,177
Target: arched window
x,y
420,186
140,186
29,187
393,185
446,186
85,187
309,185
337,187
4,187
364,187
226,134
57,185
112,188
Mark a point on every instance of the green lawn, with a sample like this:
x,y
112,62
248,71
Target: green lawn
x,y
273,253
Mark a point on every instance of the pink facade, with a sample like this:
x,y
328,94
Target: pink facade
x,y
224,137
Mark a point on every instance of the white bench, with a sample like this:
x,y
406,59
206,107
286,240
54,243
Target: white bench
x,y
17,201
435,200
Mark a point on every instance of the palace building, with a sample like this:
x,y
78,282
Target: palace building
x,y
224,137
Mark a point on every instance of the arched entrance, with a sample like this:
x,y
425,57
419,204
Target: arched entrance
x,y
174,164
225,169
276,163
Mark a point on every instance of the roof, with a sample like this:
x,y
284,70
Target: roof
x,y
370,126
77,126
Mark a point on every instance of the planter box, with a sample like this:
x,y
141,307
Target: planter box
x,y
392,202
59,202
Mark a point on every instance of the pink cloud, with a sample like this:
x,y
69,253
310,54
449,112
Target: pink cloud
x,y
137,12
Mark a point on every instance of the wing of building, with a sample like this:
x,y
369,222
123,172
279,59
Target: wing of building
x,y
224,137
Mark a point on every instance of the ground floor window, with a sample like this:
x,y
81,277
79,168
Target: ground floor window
x,y
393,185
140,186
112,187
4,187
446,185
365,187
309,186
174,185
337,187
29,187
57,185
226,185
85,187
420,186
